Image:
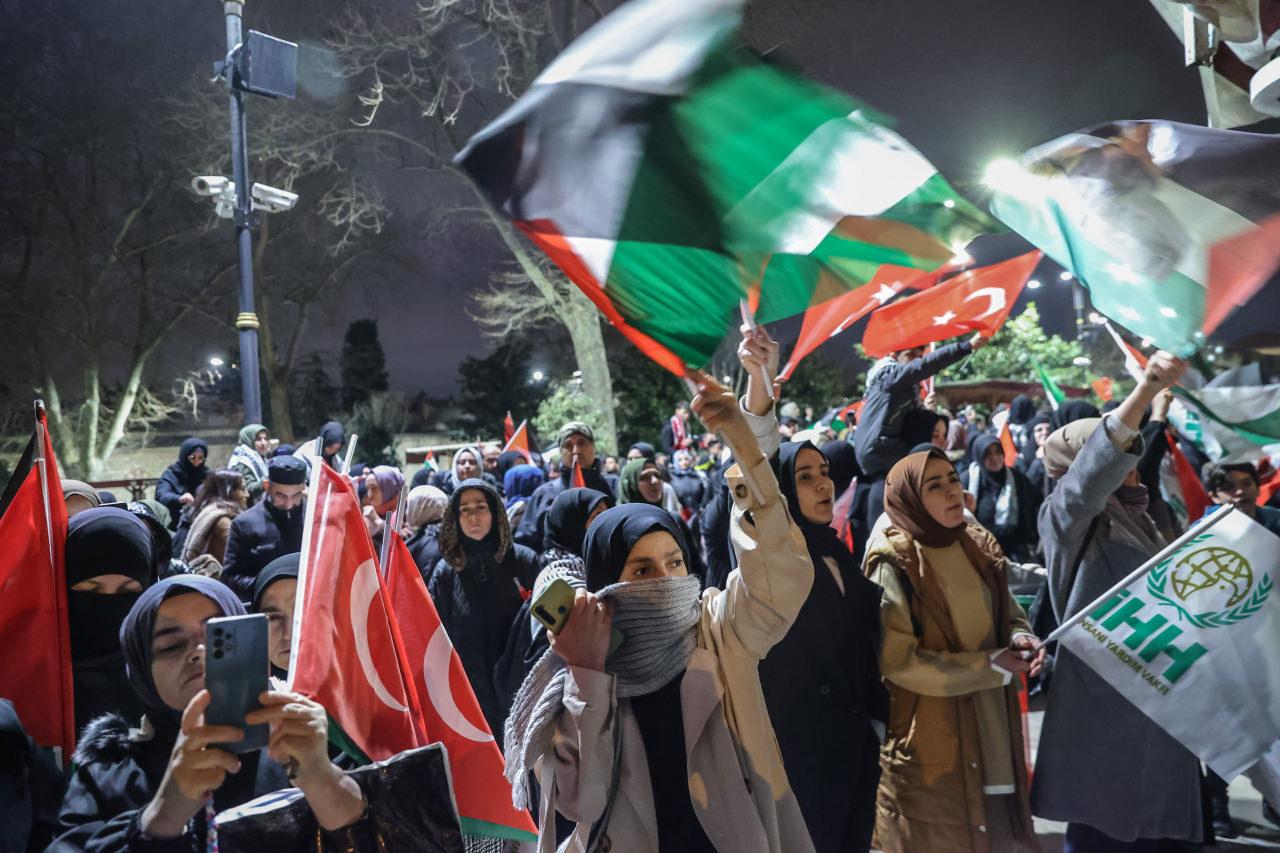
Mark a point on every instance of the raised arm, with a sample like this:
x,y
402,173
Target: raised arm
x,y
920,369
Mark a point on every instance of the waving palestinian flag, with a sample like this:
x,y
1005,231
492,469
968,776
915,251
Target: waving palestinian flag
x,y
671,173
1170,226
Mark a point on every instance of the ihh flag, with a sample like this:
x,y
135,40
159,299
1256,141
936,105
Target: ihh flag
x,y
1191,639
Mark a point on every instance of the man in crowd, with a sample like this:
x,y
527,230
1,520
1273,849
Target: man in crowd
x,y
577,448
1238,485
491,451
268,529
675,432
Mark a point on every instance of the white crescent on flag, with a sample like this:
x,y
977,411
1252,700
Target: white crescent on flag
x,y
435,670
364,586
996,300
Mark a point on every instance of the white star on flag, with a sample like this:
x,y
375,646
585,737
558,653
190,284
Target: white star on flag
x,y
884,294
944,318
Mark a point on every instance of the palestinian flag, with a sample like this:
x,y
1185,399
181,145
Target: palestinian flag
x,y
1232,423
1052,392
671,173
1170,226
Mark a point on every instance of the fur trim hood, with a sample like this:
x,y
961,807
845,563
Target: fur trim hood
x,y
451,545
107,739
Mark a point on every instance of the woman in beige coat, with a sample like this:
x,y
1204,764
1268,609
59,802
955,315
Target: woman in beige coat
x,y
665,743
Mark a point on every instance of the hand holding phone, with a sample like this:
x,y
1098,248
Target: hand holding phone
x,y
235,674
586,642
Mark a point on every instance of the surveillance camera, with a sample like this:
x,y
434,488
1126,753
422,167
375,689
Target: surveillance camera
x,y
271,199
210,184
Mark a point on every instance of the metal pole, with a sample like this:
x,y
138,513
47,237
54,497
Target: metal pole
x,y
247,320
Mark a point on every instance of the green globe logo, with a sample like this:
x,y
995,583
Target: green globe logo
x,y
1211,587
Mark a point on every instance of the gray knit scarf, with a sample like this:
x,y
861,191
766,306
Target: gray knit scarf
x,y
657,619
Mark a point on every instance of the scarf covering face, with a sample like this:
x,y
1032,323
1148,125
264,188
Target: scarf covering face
x,y
81,489
520,481
277,569
629,482
567,519
191,472
425,505
904,502
135,633
1076,410
995,492
658,620
843,462
1065,443
456,547
104,541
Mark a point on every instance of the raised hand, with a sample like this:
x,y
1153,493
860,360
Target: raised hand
x,y
195,769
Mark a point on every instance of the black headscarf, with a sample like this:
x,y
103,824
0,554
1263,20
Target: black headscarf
x,y
1022,409
989,483
507,460
330,433
104,541
567,519
1029,447
646,450
281,567
821,538
1076,410
843,460
135,633
160,535
918,425
191,472
615,532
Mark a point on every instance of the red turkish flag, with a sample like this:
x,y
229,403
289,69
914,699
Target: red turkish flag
x,y
519,441
36,675
974,301
508,427
348,654
449,706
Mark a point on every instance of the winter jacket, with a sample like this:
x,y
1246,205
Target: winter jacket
x,y
532,528
31,788
931,791
891,393
181,478
246,462
424,547
690,487
259,535
209,531
1101,761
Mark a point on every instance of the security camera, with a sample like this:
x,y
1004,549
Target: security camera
x,y
271,199
210,184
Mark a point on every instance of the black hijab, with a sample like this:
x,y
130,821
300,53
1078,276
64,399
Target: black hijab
x,y
1076,410
330,433
1029,447
918,425
281,567
104,541
646,450
821,538
135,633
1022,409
615,532
989,483
191,475
567,519
843,461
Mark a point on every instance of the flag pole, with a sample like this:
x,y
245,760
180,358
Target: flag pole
x,y
1204,524
351,450
300,591
42,462
749,320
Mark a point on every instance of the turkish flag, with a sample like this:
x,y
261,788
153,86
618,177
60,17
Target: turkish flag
x,y
1104,388
974,301
508,427
449,706
519,441
347,652
36,675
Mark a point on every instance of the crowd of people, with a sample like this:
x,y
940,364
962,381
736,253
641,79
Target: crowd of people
x,y
786,636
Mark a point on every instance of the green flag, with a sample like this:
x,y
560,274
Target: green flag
x,y
1051,390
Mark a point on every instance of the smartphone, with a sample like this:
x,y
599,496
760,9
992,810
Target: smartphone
x,y
552,609
235,674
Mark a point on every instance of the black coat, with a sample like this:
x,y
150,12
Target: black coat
x,y
532,529
477,605
178,479
424,547
31,788
259,535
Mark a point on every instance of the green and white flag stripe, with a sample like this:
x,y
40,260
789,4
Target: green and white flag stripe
x,y
1052,392
672,173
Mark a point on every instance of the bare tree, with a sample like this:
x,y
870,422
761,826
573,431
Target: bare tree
x,y
436,71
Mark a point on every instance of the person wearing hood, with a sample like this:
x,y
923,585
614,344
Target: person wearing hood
x,y
221,498
577,443
423,513
1031,456
664,743
269,529
478,587
153,515
518,484
275,590
954,773
177,486
382,487
822,680
110,559
156,787
249,458
1021,411
892,392
1071,411
689,483
1128,784
79,496
1004,501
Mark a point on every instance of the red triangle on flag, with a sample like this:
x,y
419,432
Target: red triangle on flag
x,y
348,654
34,633
450,709
519,441
508,428
978,300
1238,267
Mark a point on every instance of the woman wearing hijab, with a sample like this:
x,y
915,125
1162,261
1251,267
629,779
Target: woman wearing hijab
x,y
110,558
79,496
274,591
665,743
689,483
220,499
1005,502
1126,785
1075,410
925,426
1021,411
382,487
249,458
156,788
477,587
423,512
518,485
1031,456
177,486
822,681
642,481
954,775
